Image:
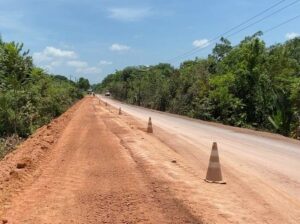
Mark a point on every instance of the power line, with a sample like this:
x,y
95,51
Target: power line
x,y
248,20
197,49
233,28
265,17
251,24
281,24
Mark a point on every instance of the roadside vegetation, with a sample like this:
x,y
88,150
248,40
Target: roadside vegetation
x,y
247,85
29,96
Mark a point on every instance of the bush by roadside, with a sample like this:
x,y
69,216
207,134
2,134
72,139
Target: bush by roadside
x,y
29,96
8,144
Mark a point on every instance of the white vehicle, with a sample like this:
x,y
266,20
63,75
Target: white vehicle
x,y
107,93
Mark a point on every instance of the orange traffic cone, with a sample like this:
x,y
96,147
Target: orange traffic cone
x,y
214,173
149,128
120,111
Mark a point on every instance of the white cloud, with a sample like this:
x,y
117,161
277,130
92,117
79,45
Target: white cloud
x,y
40,57
201,43
58,53
82,67
50,54
129,14
119,47
54,59
55,63
89,70
104,62
292,35
77,64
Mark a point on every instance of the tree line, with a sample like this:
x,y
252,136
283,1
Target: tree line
x,y
247,85
29,96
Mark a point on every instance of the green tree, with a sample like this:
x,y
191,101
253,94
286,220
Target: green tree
x,y
83,84
27,93
248,85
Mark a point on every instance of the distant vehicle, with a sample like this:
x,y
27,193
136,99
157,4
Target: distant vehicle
x,y
107,93
90,91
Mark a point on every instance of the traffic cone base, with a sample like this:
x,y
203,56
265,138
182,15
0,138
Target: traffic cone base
x,y
215,182
149,128
214,173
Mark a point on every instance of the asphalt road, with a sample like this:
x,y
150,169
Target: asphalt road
x,y
270,158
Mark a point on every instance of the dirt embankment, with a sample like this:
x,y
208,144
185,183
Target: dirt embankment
x,y
20,168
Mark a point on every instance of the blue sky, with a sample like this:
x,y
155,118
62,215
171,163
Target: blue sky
x,y
93,38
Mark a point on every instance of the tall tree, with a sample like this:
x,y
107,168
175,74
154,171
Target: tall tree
x,y
83,83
